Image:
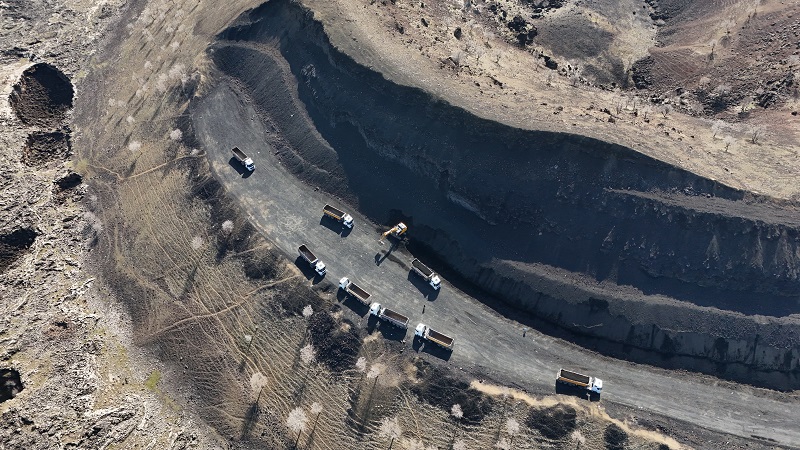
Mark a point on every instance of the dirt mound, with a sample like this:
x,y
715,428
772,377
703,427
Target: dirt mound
x,y
41,148
15,244
42,97
10,384
440,388
555,423
337,342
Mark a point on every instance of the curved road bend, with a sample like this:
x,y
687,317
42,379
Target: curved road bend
x,y
290,212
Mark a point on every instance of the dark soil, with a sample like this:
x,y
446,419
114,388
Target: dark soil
x,y
440,388
42,97
10,384
555,423
336,348
41,148
615,437
14,245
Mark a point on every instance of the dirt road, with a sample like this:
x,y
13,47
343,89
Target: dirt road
x,y
290,213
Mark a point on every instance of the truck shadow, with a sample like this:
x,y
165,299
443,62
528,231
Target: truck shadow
x,y
356,306
423,287
387,331
239,167
432,349
307,270
335,226
575,391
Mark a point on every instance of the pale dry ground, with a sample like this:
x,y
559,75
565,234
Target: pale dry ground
x,y
158,248
85,383
366,31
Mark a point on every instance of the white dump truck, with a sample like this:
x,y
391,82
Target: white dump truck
x,y
574,379
338,215
313,261
429,334
386,314
244,159
354,290
426,273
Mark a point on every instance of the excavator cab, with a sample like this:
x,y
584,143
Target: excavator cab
x,y
396,231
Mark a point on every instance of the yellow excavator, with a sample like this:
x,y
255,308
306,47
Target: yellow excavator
x,y
396,231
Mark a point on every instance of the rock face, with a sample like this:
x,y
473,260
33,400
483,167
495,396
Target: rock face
x,y
631,255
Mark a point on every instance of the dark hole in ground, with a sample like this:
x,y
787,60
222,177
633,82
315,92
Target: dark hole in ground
x,y
337,342
439,388
10,384
615,437
44,147
14,244
555,422
42,96
69,181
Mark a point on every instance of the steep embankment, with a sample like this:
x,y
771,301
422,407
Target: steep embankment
x,y
593,237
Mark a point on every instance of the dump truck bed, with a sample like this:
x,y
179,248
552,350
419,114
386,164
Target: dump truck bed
x,y
333,212
395,316
238,153
440,338
573,377
423,270
361,294
306,253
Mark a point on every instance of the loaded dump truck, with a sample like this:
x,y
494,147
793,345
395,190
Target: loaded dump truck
x,y
312,260
429,334
244,159
394,318
426,273
574,379
338,215
354,290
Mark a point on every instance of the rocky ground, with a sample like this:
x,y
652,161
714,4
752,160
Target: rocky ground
x,y
133,298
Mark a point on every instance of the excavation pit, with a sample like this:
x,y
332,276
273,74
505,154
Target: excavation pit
x,y
42,97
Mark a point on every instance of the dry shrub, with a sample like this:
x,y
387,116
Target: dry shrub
x,y
441,389
555,422
337,346
615,437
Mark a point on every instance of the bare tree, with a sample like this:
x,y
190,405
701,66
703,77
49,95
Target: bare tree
x,y
459,445
415,444
503,444
361,365
390,428
755,134
308,311
512,428
646,111
713,44
308,355
728,140
457,414
297,422
316,410
227,226
716,127
578,439
665,110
